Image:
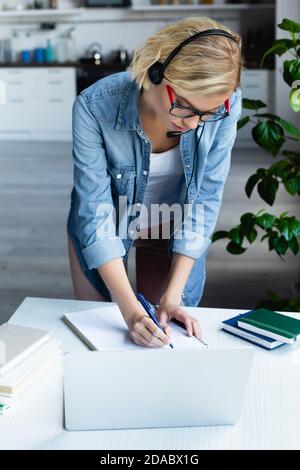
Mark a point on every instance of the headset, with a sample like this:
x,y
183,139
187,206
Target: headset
x,y
156,75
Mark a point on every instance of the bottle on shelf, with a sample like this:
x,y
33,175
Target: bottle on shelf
x,y
50,52
53,4
71,46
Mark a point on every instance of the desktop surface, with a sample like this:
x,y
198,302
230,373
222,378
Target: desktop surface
x,y
270,415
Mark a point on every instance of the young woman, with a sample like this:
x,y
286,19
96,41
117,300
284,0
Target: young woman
x,y
160,134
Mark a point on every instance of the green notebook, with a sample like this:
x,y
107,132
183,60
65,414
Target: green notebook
x,y
272,324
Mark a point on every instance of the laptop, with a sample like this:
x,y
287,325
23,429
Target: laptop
x,y
155,388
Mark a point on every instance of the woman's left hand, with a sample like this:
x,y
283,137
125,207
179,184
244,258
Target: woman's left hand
x,y
168,310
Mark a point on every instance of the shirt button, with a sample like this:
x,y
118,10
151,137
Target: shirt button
x,y
146,140
188,166
145,172
119,176
138,204
192,201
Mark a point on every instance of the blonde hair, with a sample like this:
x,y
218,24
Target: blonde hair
x,y
209,65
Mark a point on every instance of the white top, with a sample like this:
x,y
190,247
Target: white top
x,y
269,420
165,176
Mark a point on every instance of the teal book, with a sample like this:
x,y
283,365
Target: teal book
x,y
272,324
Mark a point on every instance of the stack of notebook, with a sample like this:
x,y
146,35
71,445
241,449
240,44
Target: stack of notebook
x,y
27,355
264,327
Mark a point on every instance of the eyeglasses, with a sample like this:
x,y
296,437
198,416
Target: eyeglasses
x,y
181,111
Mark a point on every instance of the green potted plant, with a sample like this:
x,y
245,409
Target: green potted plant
x,y
272,133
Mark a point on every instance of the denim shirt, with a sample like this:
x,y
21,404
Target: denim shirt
x,y
111,155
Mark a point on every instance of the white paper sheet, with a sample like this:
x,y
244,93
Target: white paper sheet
x,y
104,329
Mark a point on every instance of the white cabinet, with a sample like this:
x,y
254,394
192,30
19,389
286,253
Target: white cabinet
x,y
256,85
38,103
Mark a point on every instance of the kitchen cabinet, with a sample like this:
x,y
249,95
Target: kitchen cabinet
x,y
38,103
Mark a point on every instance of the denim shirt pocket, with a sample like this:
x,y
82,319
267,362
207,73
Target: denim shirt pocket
x,y
122,179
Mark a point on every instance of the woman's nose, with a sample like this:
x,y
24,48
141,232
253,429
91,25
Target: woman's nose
x,y
191,122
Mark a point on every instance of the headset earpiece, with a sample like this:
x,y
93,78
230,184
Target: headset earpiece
x,y
156,72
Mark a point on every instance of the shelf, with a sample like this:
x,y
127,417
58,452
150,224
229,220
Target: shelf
x,y
40,13
137,12
224,7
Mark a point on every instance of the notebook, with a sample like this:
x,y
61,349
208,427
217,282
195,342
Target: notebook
x,y
21,375
275,325
52,369
18,342
231,326
104,329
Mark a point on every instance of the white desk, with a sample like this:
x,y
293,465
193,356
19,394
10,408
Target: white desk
x,y
270,417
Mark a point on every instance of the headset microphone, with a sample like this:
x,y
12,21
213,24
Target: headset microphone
x,y
173,133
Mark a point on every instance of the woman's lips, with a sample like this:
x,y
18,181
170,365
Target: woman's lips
x,y
178,128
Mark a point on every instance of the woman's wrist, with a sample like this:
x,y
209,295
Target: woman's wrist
x,y
131,312
171,297
115,277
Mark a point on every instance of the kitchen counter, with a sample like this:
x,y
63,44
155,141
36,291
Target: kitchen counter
x,y
78,64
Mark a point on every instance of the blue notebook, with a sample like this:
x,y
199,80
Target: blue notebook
x,y
231,326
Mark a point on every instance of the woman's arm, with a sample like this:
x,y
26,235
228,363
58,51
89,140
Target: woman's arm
x,y
169,306
142,329
181,267
115,277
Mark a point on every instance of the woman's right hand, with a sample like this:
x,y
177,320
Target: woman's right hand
x,y
144,332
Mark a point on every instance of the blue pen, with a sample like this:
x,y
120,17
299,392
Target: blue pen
x,y
149,309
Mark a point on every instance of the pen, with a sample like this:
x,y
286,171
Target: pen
x,y
181,325
149,309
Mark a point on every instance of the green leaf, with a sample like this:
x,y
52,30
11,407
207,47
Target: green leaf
x,y
295,227
285,229
269,135
266,221
295,100
235,249
292,186
267,189
287,126
253,104
219,234
251,235
291,71
235,236
294,245
252,181
242,122
289,25
247,220
271,242
279,47
280,245
280,168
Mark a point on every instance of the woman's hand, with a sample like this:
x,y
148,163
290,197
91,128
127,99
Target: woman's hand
x,y
168,310
144,332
